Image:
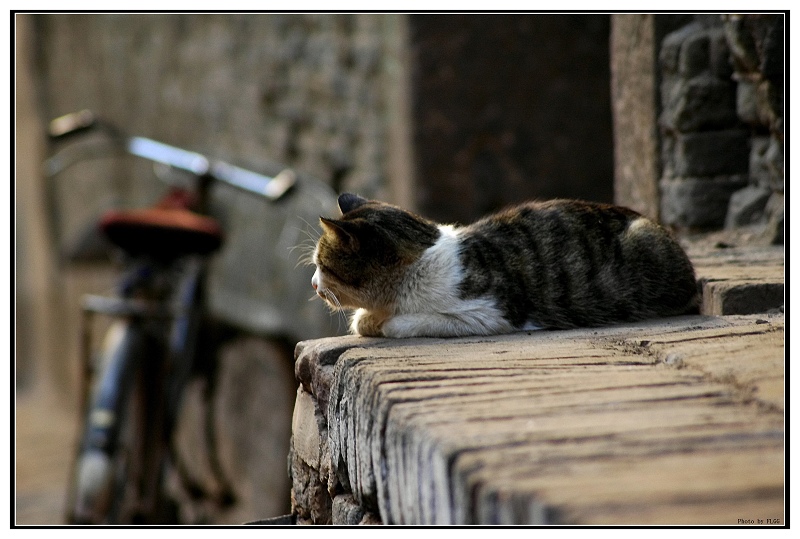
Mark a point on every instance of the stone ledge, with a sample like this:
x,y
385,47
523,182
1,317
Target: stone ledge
x,y
675,421
740,280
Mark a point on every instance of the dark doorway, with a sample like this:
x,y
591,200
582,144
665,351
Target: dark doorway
x,y
508,108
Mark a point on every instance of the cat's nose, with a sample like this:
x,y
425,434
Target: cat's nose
x,y
315,280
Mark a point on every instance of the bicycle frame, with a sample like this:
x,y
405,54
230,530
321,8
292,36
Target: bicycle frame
x,y
144,343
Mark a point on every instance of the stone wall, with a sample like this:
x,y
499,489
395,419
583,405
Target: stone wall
x,y
721,122
756,44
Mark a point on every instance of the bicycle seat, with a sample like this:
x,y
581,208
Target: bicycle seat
x,y
166,231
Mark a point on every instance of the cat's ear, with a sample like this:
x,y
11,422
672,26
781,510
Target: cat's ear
x,y
342,230
348,202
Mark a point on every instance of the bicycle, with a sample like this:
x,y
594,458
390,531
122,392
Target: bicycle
x,y
131,390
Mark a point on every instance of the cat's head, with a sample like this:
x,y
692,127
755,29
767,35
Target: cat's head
x,y
361,256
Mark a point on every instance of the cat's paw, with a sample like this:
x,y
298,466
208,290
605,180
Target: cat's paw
x,y
366,324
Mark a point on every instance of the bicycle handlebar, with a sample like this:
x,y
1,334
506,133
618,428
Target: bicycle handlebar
x,y
272,188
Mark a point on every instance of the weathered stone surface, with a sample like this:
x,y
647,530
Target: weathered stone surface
x,y
744,297
669,55
766,163
694,55
758,102
740,280
695,50
309,466
489,431
773,159
712,153
314,365
747,206
306,441
698,202
707,154
702,102
757,52
773,233
756,43
347,512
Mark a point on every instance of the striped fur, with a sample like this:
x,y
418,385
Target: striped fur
x,y
555,264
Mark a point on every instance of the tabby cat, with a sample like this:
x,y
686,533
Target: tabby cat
x,y
554,264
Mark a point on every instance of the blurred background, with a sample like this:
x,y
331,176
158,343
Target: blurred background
x,y
452,116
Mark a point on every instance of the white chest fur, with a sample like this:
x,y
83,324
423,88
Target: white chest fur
x,y
428,299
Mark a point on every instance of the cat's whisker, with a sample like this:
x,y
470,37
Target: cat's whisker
x,y
311,232
340,310
306,257
307,246
333,304
305,260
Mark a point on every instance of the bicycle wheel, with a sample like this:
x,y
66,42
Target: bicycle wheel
x,y
119,466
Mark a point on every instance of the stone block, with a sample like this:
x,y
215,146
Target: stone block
x,y
747,206
774,162
309,466
704,50
348,512
694,55
668,157
766,163
741,43
773,234
670,54
746,107
759,168
719,55
756,42
698,202
305,431
727,298
711,153
759,103
700,103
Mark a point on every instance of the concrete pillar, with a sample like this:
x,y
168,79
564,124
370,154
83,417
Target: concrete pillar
x,y
635,42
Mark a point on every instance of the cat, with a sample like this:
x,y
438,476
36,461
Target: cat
x,y
554,264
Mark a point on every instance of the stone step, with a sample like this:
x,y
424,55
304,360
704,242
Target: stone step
x,y
740,280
